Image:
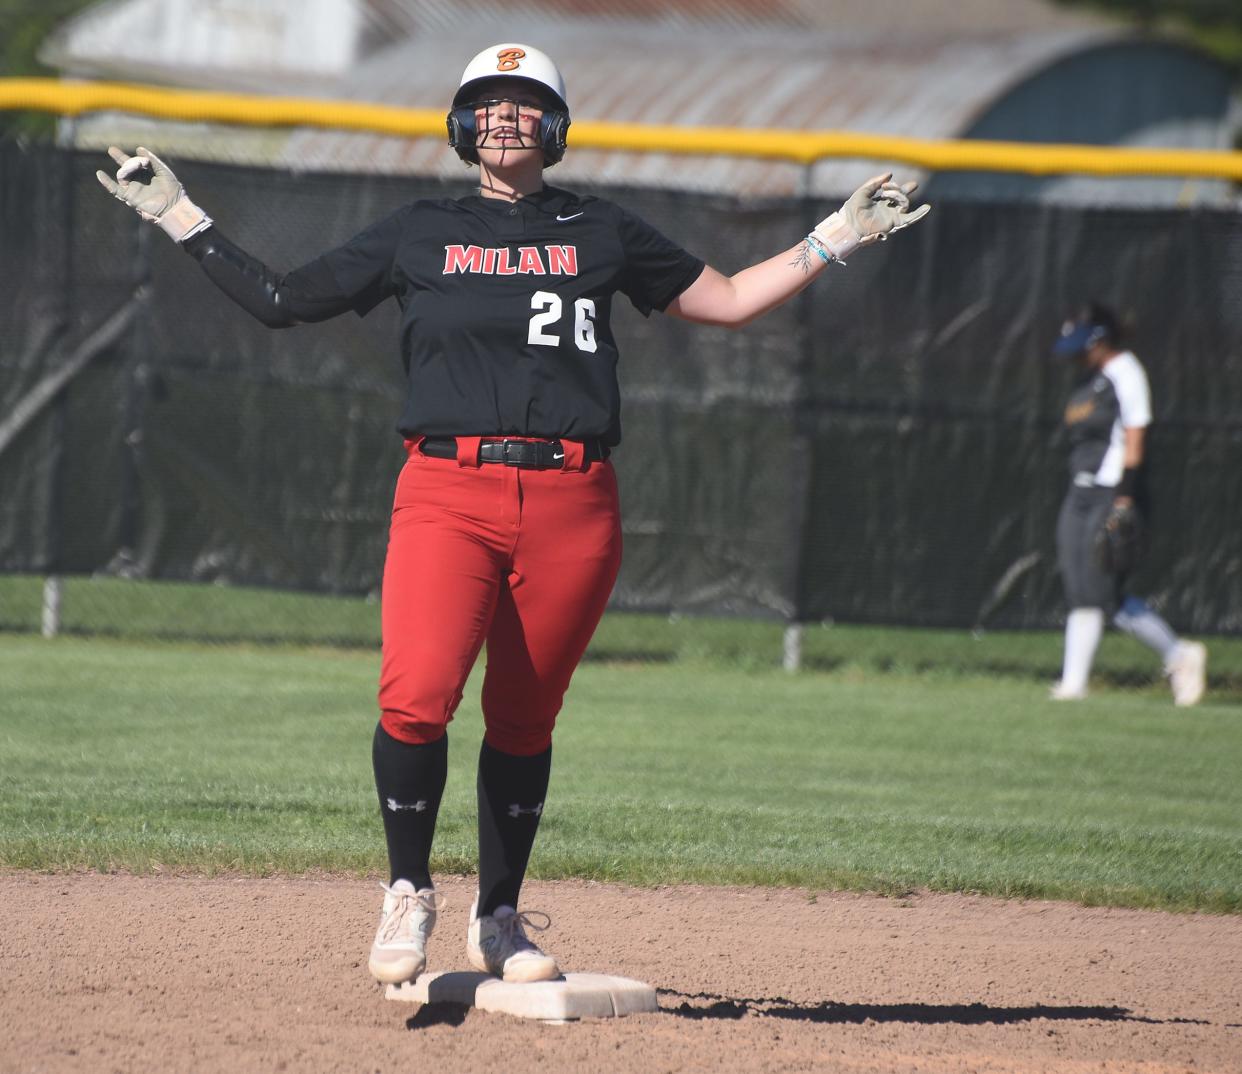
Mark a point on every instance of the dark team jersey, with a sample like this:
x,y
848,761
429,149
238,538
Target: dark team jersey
x,y
1100,409
506,308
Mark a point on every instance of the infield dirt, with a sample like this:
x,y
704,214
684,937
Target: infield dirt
x,y
123,973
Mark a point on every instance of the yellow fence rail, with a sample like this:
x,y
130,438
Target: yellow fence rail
x,y
803,147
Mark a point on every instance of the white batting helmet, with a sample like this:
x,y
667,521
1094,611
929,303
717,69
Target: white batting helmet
x,y
521,63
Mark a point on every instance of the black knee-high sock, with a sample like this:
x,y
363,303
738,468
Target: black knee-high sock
x,y
511,795
410,781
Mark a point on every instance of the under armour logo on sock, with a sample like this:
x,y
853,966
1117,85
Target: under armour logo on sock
x,y
400,807
516,810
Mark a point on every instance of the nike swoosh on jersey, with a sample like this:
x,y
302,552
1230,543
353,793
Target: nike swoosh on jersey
x,y
562,219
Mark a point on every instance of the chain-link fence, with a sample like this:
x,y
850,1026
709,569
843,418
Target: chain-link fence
x,y
885,449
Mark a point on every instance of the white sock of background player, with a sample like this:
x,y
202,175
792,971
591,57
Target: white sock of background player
x,y
1083,629
1138,620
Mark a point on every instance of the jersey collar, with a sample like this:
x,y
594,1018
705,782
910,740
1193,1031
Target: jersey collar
x,y
548,200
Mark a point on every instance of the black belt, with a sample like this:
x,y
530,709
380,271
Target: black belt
x,y
528,454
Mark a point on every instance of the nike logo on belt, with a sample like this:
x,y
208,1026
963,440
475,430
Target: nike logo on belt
x,y
562,219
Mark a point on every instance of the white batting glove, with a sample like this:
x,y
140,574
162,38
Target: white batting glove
x,y
873,212
147,185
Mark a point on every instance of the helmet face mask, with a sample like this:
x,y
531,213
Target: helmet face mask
x,y
528,76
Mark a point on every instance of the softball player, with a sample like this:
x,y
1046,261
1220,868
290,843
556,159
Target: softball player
x,y
1106,419
505,525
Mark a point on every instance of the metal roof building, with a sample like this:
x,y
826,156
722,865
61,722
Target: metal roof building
x,y
1020,71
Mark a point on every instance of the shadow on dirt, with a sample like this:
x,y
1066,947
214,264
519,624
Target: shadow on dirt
x,y
438,1014
700,1005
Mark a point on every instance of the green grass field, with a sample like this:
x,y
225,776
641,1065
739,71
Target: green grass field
x,y
902,765
142,611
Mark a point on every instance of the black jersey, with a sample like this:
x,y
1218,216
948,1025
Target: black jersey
x,y
1100,409
506,308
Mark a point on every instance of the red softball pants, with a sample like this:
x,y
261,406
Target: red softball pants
x,y
521,559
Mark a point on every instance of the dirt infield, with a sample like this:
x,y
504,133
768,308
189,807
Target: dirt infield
x,y
120,973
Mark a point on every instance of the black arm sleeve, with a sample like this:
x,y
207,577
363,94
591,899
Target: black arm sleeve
x,y
356,276
277,301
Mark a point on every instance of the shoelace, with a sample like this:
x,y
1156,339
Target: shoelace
x,y
512,929
406,904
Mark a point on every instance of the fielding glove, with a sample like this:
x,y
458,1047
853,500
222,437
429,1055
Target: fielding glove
x,y
147,185
875,210
1119,542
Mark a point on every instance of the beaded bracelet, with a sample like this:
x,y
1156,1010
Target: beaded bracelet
x,y
823,252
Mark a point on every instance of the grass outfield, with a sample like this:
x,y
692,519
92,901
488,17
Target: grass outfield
x,y
115,755
141,611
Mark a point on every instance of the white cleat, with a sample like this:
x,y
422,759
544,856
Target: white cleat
x,y
399,953
1187,671
497,943
1061,692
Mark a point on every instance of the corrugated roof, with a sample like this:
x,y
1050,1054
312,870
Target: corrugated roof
x,y
947,16
800,64
913,84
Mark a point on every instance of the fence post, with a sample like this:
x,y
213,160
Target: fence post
x,y
139,375
792,647
53,548
52,592
791,656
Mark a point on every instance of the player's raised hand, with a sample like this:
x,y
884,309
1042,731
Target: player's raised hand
x,y
148,186
873,212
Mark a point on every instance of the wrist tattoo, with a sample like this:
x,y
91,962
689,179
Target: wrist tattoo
x,y
802,258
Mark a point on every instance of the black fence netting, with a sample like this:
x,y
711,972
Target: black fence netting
x,y
886,448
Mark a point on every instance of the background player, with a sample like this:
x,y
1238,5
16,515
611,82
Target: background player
x,y
1106,418
505,526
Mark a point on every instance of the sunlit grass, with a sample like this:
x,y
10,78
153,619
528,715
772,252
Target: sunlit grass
x,y
115,755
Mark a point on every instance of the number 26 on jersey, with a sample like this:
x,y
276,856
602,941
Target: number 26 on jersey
x,y
545,322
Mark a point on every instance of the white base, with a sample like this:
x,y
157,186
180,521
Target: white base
x,y
573,996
